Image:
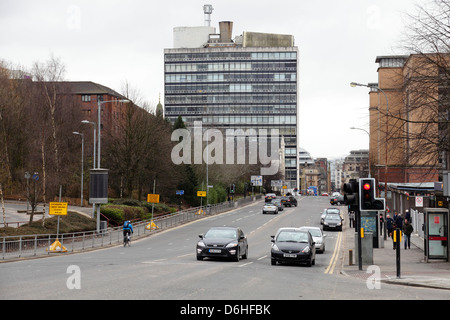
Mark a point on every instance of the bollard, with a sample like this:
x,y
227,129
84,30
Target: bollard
x,y
350,257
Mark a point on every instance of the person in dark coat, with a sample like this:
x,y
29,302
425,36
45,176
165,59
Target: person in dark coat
x,y
407,230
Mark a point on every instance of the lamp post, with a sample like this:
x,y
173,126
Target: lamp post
x,y
82,162
371,86
99,120
95,138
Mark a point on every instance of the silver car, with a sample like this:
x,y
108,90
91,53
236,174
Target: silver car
x,y
326,211
318,237
270,208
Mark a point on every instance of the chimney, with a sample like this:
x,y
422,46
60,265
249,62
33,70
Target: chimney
x,y
226,30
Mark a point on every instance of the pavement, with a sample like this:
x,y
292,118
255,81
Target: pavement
x,y
414,270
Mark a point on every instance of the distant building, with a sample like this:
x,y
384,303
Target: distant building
x,y
88,94
356,165
246,83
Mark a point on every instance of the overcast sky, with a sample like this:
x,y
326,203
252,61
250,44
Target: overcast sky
x,y
116,41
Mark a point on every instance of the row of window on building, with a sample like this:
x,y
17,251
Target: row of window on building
x,y
239,87
233,109
231,77
231,56
229,66
231,98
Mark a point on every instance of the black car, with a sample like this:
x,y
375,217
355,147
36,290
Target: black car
x,y
332,221
289,201
293,245
223,242
337,200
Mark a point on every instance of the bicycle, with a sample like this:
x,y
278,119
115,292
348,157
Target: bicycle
x,y
127,240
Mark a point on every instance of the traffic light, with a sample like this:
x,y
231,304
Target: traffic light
x,y
351,192
367,199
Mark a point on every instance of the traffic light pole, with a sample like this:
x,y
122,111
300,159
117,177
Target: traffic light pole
x,y
358,226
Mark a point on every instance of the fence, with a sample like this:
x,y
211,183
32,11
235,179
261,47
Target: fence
x,y
13,247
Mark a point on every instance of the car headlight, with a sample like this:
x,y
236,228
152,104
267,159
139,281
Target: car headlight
x,y
306,250
339,223
232,244
275,248
201,244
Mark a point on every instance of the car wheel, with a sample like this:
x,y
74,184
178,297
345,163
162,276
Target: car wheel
x,y
273,262
238,253
246,254
309,263
199,258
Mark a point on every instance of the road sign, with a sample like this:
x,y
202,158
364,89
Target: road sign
x,y
153,198
419,201
257,181
201,193
180,192
58,209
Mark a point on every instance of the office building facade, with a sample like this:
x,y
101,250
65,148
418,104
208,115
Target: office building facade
x,y
248,83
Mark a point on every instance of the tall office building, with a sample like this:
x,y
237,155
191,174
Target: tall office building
x,y
249,82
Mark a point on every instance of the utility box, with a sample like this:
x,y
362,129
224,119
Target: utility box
x,y
366,248
98,186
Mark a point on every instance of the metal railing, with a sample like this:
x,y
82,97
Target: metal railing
x,y
27,246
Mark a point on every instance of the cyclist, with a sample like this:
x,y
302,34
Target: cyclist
x,y
127,230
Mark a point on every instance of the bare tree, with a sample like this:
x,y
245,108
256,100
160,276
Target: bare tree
x,y
422,127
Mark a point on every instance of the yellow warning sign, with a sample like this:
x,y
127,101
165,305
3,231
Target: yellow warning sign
x,y
151,226
57,247
58,209
153,198
201,193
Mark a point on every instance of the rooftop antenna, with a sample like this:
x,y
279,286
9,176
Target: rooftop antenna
x,y
207,9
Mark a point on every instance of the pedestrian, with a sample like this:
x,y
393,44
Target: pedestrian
x,y
398,221
351,218
389,225
407,230
381,223
408,216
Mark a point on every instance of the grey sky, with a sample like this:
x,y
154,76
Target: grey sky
x,y
117,41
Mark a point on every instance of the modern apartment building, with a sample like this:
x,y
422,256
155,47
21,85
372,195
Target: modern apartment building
x,y
249,82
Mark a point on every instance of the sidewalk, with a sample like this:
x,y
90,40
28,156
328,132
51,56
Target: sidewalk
x,y
414,271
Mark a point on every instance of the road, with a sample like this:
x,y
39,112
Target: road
x,y
164,266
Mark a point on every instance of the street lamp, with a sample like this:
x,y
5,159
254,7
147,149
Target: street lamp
x,y
82,162
99,120
95,138
372,86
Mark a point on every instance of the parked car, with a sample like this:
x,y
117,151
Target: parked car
x,y
337,200
278,203
269,207
293,245
328,210
289,201
332,221
223,242
318,237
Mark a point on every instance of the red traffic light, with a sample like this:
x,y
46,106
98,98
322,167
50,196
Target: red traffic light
x,y
367,186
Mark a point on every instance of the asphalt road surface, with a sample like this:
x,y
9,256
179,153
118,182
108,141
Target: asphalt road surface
x,y
164,266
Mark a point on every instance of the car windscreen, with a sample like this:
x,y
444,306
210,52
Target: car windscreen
x,y
332,217
292,236
315,232
221,233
